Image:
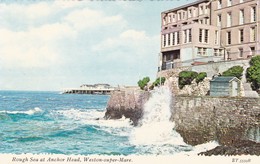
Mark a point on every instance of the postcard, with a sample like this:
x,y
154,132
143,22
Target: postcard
x,y
129,81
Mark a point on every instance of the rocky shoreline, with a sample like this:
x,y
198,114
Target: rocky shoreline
x,y
199,120
240,147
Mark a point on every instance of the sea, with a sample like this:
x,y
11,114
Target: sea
x,y
41,122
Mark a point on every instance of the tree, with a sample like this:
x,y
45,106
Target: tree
x,y
236,71
143,83
186,77
253,73
201,76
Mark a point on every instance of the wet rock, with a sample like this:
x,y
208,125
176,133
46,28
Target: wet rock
x,y
128,103
239,147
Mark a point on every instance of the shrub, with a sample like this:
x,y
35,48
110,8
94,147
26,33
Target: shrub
x,y
236,71
142,83
201,76
255,61
186,77
158,81
253,73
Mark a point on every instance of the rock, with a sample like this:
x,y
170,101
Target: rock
x,y
239,147
128,103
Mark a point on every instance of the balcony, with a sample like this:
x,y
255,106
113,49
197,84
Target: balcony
x,y
171,64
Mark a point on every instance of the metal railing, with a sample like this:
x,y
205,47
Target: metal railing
x,y
207,59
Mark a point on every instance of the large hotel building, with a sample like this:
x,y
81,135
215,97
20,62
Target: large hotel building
x,y
209,31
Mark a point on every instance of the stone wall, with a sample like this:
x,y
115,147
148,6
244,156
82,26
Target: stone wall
x,y
202,119
198,119
201,89
219,67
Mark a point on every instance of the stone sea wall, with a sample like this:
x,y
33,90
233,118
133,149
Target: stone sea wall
x,y
198,119
202,119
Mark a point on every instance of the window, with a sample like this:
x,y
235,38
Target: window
x,y
216,52
253,14
241,17
164,21
206,9
240,52
189,13
220,52
185,36
252,34
184,15
252,49
219,20
173,38
169,39
178,37
216,37
229,19
229,2
206,39
190,36
164,40
200,35
229,37
173,18
207,21
202,51
241,35
179,16
169,19
203,35
200,10
219,4
195,12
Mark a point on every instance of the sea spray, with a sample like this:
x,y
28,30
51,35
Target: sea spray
x,y
155,126
156,133
69,125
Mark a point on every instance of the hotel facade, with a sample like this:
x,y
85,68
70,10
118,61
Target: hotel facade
x,y
209,31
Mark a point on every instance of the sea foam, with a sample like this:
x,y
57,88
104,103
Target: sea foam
x,y
28,112
156,134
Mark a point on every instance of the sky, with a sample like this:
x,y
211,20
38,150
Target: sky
x,y
50,45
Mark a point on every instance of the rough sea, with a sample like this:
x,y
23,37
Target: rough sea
x,y
54,123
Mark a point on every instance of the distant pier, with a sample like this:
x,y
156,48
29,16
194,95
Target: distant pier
x,y
96,89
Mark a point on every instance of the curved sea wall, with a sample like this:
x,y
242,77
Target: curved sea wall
x,y
197,119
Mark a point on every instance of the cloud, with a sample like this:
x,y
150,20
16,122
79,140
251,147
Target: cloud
x,y
131,40
72,43
35,47
130,53
87,18
38,45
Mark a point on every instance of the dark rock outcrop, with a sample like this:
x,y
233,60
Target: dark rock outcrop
x,y
239,147
128,103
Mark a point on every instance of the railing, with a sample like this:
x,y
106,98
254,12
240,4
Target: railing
x,y
206,59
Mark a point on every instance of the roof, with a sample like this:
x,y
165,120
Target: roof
x,y
198,63
184,6
223,79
